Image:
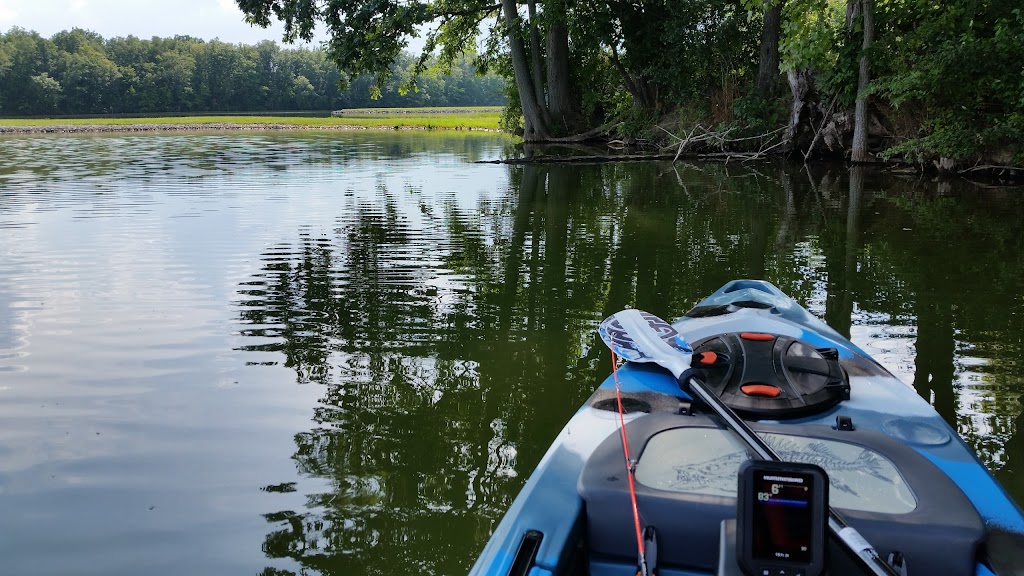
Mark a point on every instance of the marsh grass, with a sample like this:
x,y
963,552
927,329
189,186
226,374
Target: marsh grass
x,y
484,118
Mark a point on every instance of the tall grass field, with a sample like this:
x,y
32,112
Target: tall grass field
x,y
462,118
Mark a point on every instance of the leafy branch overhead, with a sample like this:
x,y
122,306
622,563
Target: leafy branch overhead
x,y
366,36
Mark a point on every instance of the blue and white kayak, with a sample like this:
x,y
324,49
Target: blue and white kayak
x,y
896,470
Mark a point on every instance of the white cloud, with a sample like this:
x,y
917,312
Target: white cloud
x,y
8,17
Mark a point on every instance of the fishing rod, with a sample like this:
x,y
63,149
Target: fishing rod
x,y
643,337
642,567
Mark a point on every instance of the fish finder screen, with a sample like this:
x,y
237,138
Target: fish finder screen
x,y
783,521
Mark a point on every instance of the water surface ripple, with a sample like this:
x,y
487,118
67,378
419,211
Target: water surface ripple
x,y
344,353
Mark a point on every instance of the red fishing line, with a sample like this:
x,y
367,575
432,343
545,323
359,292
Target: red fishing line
x,y
629,468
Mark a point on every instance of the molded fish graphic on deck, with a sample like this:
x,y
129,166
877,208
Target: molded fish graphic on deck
x,y
721,471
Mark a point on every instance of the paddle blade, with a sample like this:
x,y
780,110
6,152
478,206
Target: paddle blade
x,y
641,336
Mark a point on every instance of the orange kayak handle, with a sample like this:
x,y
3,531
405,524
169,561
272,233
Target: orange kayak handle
x,y
761,390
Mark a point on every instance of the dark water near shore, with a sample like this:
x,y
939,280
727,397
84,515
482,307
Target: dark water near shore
x,y
344,353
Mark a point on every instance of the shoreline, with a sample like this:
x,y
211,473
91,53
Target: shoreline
x,y
219,127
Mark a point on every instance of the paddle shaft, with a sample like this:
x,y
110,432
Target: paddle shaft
x,y
847,535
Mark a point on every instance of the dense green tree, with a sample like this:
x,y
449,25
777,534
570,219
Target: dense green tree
x,y
78,72
28,56
91,83
954,69
5,66
45,93
940,80
170,82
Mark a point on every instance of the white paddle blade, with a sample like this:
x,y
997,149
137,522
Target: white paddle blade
x,y
641,336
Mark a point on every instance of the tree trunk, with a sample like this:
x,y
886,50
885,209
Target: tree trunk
x,y
649,91
860,116
803,112
537,64
536,129
562,103
852,13
644,94
768,67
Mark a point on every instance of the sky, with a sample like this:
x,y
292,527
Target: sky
x,y
206,19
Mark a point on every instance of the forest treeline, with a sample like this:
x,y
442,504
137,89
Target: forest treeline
x,y
920,78
80,72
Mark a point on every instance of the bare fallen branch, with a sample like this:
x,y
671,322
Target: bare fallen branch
x,y
722,140
670,134
818,132
585,135
991,167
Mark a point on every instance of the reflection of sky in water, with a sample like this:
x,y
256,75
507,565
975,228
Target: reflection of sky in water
x,y
124,400
894,346
8,332
892,342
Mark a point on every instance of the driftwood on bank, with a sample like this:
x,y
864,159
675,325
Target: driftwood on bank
x,y
602,158
581,159
700,142
724,143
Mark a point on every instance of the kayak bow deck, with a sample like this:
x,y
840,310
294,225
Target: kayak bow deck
x,y
897,472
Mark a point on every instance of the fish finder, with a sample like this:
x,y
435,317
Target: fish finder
x,y
782,514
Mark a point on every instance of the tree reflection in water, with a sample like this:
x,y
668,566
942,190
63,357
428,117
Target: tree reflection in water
x,y
452,344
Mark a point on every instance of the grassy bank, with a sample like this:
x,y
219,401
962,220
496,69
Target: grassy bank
x,y
377,112
386,119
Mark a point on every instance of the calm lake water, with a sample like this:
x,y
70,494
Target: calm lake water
x,y
344,353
